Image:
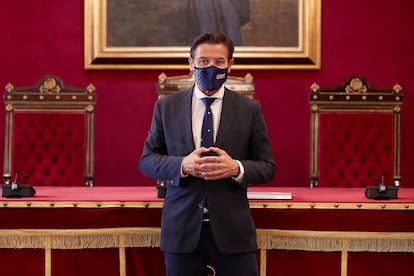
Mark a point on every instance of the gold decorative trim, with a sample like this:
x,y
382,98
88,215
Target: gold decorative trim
x,y
122,256
48,256
9,87
90,108
328,241
397,88
9,107
49,86
91,88
356,86
99,55
267,239
263,261
324,241
79,238
253,205
315,87
332,205
80,204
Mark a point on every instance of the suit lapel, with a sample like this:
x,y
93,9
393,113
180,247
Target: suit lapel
x,y
184,113
228,114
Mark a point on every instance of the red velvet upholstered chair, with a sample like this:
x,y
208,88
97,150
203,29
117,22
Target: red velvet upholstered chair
x,y
49,136
355,134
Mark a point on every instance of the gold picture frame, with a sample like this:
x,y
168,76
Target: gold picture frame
x,y
305,53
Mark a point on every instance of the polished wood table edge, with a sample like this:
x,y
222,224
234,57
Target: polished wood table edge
x,y
80,204
332,205
146,197
256,204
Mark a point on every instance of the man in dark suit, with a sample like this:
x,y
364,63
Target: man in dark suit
x,y
206,216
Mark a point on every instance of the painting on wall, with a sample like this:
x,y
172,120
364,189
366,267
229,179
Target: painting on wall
x,y
156,34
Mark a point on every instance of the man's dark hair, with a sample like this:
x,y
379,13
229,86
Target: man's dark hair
x,y
213,38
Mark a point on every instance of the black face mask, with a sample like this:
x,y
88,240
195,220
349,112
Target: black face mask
x,y
210,78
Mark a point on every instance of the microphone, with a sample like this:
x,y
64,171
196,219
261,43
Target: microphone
x,y
14,185
381,192
17,190
381,187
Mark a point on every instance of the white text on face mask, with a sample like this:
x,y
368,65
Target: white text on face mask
x,y
220,76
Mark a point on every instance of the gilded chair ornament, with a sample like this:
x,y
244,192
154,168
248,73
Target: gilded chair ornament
x,y
90,108
49,86
356,85
9,87
397,88
315,87
91,88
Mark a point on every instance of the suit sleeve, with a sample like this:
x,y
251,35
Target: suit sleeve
x,y
155,161
260,166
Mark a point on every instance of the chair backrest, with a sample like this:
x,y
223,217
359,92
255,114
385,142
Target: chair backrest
x,y
355,134
168,85
49,135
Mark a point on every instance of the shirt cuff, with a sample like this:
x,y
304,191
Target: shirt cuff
x,y
181,171
239,178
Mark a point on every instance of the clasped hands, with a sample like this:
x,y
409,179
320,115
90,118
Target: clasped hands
x,y
210,167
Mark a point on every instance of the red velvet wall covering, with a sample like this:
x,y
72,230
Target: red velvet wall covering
x,y
370,38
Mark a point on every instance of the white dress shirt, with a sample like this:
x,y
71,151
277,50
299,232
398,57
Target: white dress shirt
x,y
197,111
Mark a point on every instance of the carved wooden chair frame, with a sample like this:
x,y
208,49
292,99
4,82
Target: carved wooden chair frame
x,y
354,95
49,95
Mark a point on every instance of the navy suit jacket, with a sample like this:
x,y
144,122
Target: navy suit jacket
x,y
243,135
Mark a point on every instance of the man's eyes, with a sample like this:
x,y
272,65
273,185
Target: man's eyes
x,y
207,61
204,61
